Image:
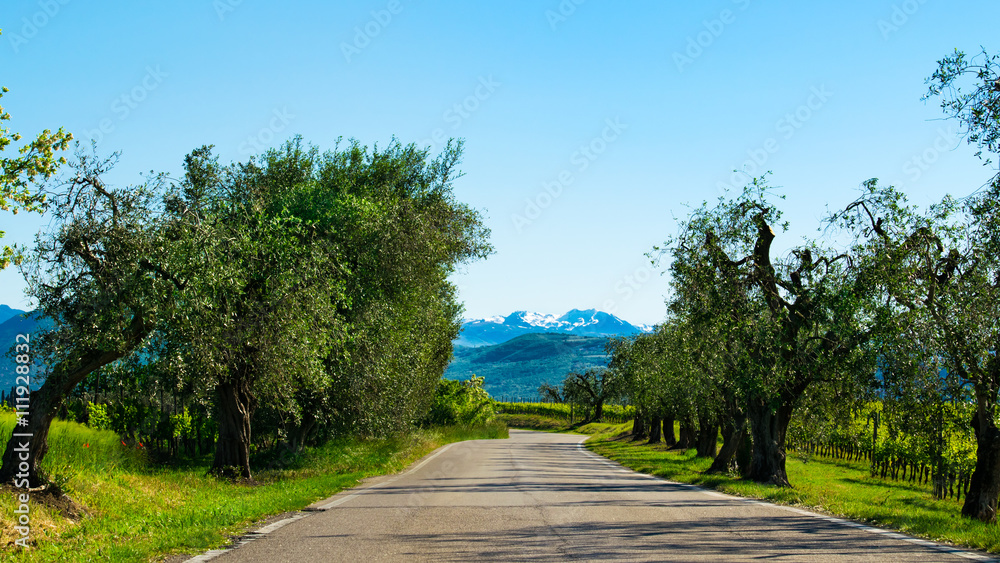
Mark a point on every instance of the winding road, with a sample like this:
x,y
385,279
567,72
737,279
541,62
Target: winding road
x,y
543,497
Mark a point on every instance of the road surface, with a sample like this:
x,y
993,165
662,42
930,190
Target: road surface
x,y
542,497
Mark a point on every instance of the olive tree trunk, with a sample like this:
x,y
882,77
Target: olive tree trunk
x,y
708,437
768,427
669,436
655,424
29,443
232,449
984,487
639,427
733,431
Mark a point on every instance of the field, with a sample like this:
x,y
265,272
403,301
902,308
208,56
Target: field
x,y
565,412
125,510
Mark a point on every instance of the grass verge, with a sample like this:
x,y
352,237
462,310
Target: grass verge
x,y
550,424
132,511
836,487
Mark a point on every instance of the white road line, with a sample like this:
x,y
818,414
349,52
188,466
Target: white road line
x,y
270,528
887,533
359,492
281,523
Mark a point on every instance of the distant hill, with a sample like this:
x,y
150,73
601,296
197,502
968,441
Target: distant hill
x,y
7,312
515,369
18,323
589,322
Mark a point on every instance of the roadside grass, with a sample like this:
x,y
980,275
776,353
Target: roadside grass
x,y
561,425
835,487
133,511
534,422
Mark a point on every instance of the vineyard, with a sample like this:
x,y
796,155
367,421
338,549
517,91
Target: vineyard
x,y
873,433
895,448
616,414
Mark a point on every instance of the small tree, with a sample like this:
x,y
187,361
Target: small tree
x,y
460,402
104,276
551,393
591,389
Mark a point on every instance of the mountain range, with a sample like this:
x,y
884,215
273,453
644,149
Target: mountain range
x,y
515,353
589,322
12,323
513,370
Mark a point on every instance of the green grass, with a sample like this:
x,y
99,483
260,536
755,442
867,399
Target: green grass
x,y
836,487
550,424
139,512
563,411
534,422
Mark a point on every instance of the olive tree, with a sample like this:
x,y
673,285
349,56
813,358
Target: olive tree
x,y
104,274
795,316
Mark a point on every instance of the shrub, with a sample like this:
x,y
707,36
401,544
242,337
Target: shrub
x,y
460,402
97,417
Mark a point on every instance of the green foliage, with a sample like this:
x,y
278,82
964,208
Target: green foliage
x,y
969,88
181,424
460,402
265,305
97,417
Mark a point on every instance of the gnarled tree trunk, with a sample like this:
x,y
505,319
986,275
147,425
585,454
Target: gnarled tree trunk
x,y
984,488
708,437
29,443
732,438
639,427
687,438
669,436
655,424
598,410
768,426
232,449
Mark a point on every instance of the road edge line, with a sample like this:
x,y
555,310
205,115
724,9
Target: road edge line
x,y
949,549
298,515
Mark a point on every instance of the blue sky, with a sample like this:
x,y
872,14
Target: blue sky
x,y
588,124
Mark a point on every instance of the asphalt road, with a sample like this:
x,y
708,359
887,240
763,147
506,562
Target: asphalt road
x,y
542,497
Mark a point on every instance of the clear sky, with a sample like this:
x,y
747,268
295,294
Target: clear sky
x,y
588,124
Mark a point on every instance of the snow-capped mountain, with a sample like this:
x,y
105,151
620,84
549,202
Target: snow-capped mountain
x,y
591,322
